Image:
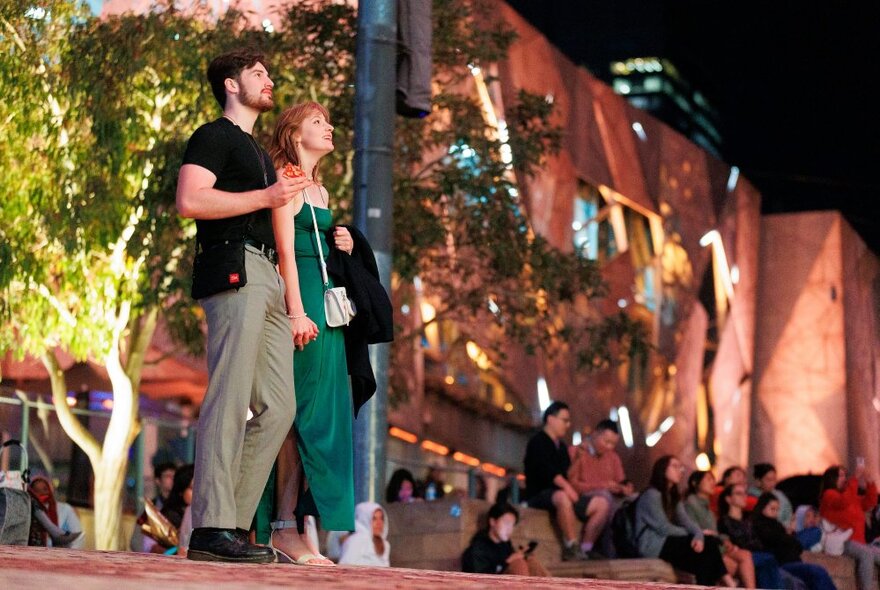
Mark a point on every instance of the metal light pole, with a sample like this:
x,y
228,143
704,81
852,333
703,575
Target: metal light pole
x,y
375,82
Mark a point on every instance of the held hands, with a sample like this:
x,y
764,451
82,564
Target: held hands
x,y
304,331
343,240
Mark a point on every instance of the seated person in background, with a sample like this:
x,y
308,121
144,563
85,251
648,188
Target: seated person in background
x,y
163,477
176,510
368,544
491,552
401,487
596,466
807,529
432,487
596,471
787,550
733,475
547,487
736,527
765,481
738,561
664,529
841,504
57,522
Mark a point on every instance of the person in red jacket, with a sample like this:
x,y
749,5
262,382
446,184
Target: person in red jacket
x,y
842,505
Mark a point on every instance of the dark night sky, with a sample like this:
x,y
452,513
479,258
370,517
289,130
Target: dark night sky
x,y
789,81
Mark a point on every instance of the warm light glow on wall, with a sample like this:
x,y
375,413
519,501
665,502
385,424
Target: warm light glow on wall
x,y
493,469
477,355
466,459
403,434
433,447
432,329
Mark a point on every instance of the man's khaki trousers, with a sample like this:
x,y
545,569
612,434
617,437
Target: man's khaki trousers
x,y
250,366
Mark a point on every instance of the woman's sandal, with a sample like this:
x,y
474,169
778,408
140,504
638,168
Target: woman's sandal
x,y
305,558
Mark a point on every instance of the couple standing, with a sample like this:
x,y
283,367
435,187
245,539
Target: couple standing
x,y
256,316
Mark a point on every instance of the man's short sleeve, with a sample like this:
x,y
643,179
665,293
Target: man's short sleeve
x,y
208,147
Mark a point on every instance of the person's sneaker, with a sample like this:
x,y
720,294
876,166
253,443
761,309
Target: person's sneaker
x,y
210,544
571,553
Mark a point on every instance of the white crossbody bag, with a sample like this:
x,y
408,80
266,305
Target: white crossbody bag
x,y
339,310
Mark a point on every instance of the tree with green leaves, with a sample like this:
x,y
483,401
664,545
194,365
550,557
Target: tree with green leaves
x,y
96,114
93,255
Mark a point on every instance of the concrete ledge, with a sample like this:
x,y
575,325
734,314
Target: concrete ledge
x,y
842,569
433,535
35,567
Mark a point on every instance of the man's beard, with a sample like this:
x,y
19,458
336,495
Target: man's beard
x,y
256,101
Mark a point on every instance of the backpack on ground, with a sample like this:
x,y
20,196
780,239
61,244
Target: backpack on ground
x,y
623,529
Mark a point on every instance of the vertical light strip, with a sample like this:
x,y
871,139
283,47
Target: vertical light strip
x,y
543,394
625,426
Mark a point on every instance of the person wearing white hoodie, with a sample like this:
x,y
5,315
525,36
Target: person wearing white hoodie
x,y
368,544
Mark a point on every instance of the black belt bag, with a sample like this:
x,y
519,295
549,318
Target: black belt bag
x,y
219,268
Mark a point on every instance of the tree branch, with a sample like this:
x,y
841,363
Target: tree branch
x,y
141,337
70,423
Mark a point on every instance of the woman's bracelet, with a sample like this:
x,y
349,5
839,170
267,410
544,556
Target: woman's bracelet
x,y
296,317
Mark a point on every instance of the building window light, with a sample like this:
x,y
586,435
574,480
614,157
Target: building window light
x,y
433,447
543,394
732,179
653,438
576,438
709,237
466,459
640,131
703,463
493,469
625,426
403,435
622,87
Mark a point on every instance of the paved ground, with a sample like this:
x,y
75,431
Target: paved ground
x,y
32,567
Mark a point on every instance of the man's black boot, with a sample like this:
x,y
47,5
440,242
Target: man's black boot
x,y
210,544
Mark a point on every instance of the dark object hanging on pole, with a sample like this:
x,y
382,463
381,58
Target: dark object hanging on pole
x,y
414,58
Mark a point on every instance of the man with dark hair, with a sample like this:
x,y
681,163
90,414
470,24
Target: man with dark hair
x,y
546,469
163,476
491,552
228,185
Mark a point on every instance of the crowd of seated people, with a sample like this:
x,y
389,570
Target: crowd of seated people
x,y
739,531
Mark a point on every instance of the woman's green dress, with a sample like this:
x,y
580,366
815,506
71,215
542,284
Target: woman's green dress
x,y
323,395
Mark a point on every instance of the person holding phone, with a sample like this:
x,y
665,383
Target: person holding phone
x,y
842,505
491,550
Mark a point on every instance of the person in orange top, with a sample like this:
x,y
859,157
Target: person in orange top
x,y
842,505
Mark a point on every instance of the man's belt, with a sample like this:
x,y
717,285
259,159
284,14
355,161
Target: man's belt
x,y
265,250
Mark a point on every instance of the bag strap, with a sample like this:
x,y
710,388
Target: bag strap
x,y
318,241
23,463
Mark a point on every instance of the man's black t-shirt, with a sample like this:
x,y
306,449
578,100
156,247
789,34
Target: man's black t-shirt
x,y
544,461
485,556
231,154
